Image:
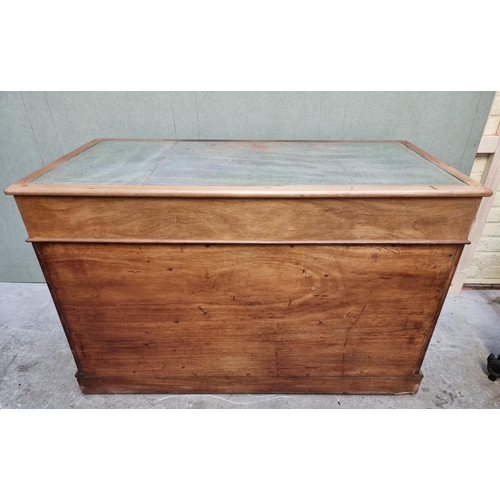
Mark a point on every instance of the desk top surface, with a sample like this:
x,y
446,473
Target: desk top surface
x,y
246,165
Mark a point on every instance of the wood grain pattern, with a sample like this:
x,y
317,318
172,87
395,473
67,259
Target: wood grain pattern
x,y
292,192
250,385
207,220
265,311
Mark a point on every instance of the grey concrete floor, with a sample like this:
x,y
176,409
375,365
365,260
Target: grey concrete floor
x,y
37,368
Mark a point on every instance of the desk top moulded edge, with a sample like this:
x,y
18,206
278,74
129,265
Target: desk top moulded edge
x,y
24,187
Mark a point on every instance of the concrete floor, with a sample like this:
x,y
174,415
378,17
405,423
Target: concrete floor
x,y
37,368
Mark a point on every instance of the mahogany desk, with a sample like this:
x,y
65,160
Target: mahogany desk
x,y
248,267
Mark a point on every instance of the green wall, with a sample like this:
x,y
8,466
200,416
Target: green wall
x,y
38,127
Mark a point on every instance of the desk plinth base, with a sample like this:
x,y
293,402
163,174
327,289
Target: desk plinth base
x,y
250,385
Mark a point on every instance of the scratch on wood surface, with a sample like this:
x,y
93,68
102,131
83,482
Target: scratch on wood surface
x,y
401,330
207,274
210,277
340,270
414,263
414,226
393,249
352,325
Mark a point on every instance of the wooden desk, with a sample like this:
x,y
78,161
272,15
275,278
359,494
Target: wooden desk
x,y
248,267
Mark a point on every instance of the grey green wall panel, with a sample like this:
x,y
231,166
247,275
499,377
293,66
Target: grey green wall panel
x,y
259,115
38,127
40,118
442,123
185,115
82,116
19,155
